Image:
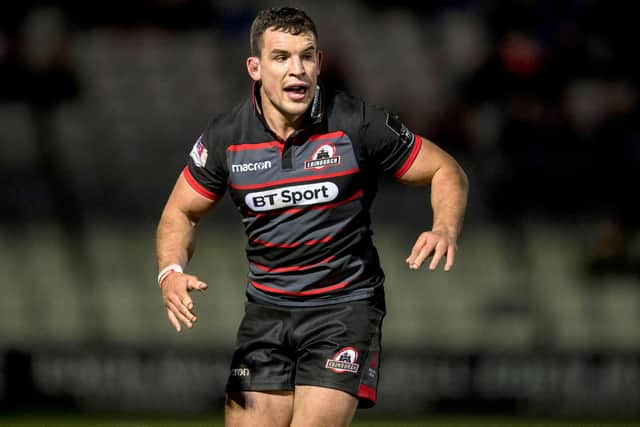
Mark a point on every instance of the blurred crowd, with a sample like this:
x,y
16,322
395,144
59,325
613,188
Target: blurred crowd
x,y
539,98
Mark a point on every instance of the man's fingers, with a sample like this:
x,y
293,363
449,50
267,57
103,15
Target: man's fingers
x,y
196,285
176,298
432,244
174,320
451,255
417,247
424,252
415,251
187,304
186,319
437,255
184,305
179,304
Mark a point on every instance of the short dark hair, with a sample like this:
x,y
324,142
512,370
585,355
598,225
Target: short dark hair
x,y
287,19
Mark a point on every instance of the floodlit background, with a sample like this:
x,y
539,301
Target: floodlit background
x,y
101,101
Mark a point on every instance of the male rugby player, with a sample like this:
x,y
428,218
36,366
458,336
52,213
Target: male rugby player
x,y
300,162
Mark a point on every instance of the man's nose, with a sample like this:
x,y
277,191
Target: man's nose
x,y
297,66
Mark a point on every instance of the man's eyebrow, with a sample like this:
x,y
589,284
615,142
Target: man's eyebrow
x,y
286,52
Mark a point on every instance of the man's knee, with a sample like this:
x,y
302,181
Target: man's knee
x,y
320,406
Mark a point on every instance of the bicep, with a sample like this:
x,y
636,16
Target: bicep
x,y
186,200
429,160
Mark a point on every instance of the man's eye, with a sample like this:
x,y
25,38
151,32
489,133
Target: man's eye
x,y
280,58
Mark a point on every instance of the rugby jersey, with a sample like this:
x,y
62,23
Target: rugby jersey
x,y
305,201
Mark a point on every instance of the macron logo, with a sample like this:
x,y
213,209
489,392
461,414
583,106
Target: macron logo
x,y
251,167
240,372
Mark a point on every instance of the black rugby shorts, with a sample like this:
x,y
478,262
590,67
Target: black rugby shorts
x,y
335,346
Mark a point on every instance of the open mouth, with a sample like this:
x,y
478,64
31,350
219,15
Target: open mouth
x,y
300,90
296,91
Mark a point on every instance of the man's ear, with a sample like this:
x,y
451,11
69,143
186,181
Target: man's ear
x,y
253,68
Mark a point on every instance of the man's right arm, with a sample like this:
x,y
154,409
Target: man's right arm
x,y
174,246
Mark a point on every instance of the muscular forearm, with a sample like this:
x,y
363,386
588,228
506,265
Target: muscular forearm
x,y
175,238
174,245
449,188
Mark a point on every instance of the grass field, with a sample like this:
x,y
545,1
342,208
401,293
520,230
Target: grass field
x,y
91,421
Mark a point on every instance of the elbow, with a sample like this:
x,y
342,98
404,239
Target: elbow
x,y
456,175
464,179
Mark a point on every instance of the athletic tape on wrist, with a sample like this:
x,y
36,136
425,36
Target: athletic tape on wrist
x,y
165,272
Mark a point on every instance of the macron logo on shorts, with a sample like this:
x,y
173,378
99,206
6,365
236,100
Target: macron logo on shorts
x,y
297,195
240,372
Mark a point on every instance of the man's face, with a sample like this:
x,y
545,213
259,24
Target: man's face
x,y
288,68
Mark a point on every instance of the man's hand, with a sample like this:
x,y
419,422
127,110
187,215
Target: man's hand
x,y
175,294
434,243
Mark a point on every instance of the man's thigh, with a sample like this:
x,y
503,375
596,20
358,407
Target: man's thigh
x,y
339,348
256,408
322,407
263,359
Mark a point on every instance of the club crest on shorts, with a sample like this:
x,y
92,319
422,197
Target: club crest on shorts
x,y
324,157
344,361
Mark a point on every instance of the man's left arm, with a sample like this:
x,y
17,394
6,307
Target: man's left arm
x,y
449,187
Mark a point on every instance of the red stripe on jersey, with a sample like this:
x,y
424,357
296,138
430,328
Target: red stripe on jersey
x,y
292,268
294,244
302,293
412,156
292,180
257,146
355,196
366,392
331,135
198,187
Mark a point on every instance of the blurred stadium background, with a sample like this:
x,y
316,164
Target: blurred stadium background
x,y
101,101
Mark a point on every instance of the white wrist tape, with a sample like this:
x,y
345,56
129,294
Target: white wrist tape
x,y
165,272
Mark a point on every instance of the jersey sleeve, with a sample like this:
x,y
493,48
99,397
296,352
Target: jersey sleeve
x,y
387,141
206,171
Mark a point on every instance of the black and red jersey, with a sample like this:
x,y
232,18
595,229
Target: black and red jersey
x,y
305,200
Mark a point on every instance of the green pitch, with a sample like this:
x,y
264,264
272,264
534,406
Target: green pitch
x,y
361,421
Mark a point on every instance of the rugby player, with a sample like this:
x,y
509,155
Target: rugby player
x,y
300,163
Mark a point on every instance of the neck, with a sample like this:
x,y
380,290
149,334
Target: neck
x,y
281,124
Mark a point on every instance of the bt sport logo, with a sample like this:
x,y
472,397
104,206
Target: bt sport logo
x,y
297,195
